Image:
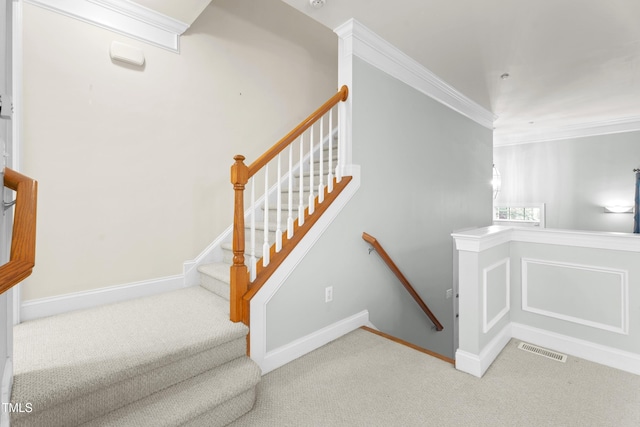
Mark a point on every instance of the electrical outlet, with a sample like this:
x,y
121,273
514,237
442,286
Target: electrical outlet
x,y
449,293
328,294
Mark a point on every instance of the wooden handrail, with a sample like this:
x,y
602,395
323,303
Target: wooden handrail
x,y
387,259
23,239
271,153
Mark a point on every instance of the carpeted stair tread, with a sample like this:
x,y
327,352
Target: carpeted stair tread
x,y
72,355
201,397
217,270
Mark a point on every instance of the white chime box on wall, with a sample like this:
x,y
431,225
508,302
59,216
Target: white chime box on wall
x,y
126,53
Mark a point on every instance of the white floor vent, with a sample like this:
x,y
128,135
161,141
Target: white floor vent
x,y
543,352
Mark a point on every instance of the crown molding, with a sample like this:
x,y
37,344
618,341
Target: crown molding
x,y
144,14
602,127
124,17
367,45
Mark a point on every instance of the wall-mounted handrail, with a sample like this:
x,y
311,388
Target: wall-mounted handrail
x,y
387,259
23,239
315,136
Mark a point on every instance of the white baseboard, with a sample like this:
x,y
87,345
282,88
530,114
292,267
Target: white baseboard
x,y
287,353
44,307
608,356
212,253
477,364
5,391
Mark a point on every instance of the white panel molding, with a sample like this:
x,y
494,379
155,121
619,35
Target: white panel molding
x,y
605,127
370,47
481,239
298,348
487,324
259,302
44,307
477,364
608,356
122,17
623,291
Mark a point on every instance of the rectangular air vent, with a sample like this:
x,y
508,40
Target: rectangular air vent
x,y
543,352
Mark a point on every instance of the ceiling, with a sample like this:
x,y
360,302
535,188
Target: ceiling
x,y
571,63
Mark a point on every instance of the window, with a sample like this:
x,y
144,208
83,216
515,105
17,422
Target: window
x,y
529,214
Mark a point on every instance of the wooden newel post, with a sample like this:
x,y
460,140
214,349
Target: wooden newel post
x,y
239,272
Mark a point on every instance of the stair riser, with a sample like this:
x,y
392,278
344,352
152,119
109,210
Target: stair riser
x,y
105,400
216,286
226,392
226,412
316,170
227,254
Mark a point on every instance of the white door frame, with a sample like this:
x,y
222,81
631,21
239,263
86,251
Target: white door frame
x,y
11,75
16,157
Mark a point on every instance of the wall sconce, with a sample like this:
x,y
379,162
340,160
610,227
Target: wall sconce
x,y
496,182
618,209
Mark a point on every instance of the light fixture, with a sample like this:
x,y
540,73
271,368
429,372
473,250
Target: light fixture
x,y
317,4
618,209
496,182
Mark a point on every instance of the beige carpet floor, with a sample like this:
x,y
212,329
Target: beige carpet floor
x,y
363,379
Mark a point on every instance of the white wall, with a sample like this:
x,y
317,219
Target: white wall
x,y
575,178
426,171
133,164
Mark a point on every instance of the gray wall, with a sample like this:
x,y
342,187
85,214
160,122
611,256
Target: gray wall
x,y
426,171
575,178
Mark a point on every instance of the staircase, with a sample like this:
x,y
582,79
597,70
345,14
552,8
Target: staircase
x,y
172,359
179,358
215,276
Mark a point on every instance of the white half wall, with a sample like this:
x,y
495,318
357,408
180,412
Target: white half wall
x,y
572,292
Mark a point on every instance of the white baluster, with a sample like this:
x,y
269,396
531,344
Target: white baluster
x,y
252,260
321,183
290,217
340,131
311,190
301,173
265,246
279,208
330,175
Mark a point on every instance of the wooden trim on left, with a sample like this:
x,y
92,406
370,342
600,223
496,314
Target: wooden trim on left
x,y
23,239
408,344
